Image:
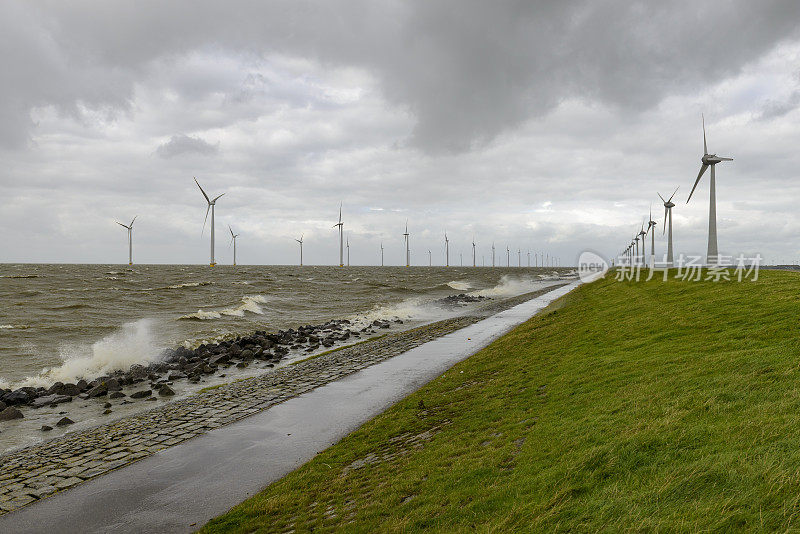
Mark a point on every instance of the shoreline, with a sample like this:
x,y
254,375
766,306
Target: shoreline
x,y
42,469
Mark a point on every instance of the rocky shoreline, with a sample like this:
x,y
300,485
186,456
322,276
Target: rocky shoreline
x,y
145,382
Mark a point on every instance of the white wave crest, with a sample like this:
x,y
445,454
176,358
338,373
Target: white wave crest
x,y
6,326
201,315
132,343
459,285
250,303
509,286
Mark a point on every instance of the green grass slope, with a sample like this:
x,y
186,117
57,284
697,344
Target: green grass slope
x,y
624,406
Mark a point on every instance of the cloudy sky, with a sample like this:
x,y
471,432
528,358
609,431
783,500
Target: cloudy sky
x,y
537,125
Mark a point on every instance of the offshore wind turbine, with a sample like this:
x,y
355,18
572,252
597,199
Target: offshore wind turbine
x,y
492,254
430,258
348,250
233,240
446,250
709,160
668,205
461,258
529,258
508,256
519,257
408,246
130,239
473,251
340,224
211,204
381,253
301,248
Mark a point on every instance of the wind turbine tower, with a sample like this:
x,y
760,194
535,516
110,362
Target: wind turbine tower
x,y
381,253
508,256
446,250
233,240
130,239
340,224
473,251
408,246
668,205
211,204
651,225
301,248
430,258
642,234
709,160
492,254
348,250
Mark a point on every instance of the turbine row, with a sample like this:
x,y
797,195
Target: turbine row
x,y
630,253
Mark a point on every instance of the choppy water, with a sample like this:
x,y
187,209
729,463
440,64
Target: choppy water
x,y
63,322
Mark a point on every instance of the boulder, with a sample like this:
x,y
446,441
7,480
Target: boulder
x,y
112,384
176,375
10,413
166,391
141,394
18,396
64,421
51,400
116,395
98,390
45,428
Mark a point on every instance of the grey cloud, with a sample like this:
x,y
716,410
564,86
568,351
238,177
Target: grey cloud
x,y
184,144
466,70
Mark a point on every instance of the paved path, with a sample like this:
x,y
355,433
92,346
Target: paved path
x,y
179,488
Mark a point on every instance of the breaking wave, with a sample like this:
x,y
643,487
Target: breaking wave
x,y
459,285
509,286
178,286
250,303
133,343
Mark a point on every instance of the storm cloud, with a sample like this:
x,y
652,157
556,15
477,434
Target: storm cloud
x,y
545,124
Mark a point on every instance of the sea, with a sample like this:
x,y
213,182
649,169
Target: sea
x,y
65,322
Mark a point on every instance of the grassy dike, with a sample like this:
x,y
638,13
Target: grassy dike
x,y
623,406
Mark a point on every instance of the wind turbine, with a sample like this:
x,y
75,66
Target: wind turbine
x,y
642,234
408,246
529,258
519,257
461,258
446,250
340,224
430,260
651,226
709,160
233,240
130,239
492,254
381,253
301,248
211,204
668,205
348,250
508,256
473,251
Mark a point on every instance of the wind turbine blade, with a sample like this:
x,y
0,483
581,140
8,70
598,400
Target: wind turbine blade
x,y
122,225
700,175
662,198
725,159
673,193
134,220
206,219
705,146
231,230
201,190
215,199
666,209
